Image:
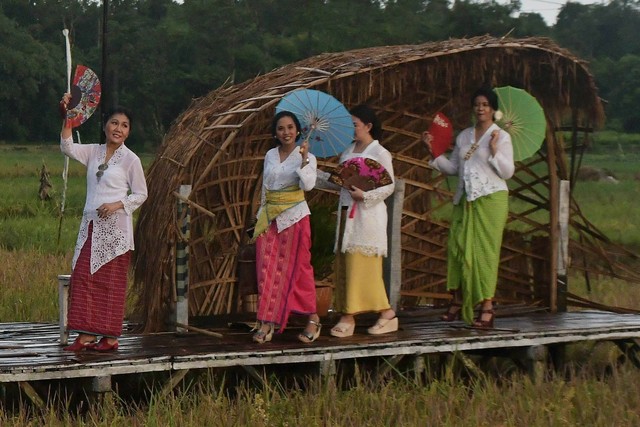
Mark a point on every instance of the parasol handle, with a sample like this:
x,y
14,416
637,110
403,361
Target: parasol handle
x,y
308,136
65,32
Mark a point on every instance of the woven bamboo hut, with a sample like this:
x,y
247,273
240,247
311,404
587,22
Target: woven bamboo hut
x,y
217,147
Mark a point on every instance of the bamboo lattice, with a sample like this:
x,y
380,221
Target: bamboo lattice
x,y
218,144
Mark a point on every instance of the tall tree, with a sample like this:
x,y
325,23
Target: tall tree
x,y
28,78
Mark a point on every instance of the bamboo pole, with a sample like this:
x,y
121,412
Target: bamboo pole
x,y
199,330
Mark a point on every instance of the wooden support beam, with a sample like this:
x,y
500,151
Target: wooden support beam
x,y
390,363
631,350
328,368
253,372
174,380
469,364
419,365
534,359
101,384
32,394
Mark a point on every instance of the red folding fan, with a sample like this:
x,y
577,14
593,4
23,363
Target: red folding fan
x,y
441,132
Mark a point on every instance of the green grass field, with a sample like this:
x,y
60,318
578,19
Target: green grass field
x,y
594,391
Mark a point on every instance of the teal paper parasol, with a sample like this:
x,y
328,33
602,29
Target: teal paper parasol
x,y
326,123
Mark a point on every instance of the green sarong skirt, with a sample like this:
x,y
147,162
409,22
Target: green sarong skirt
x,y
473,249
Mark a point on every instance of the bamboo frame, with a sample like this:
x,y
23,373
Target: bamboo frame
x,y
217,145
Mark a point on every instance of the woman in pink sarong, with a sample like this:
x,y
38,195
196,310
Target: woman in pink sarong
x,y
116,187
286,282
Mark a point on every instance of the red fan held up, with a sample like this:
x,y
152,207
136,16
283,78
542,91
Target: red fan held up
x,y
85,97
441,132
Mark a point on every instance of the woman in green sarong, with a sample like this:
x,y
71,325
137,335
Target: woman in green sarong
x,y
482,159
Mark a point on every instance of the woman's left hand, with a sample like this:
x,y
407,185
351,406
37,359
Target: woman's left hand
x,y
106,209
493,144
356,193
304,150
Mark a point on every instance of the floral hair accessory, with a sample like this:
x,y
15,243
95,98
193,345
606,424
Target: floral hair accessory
x,y
497,115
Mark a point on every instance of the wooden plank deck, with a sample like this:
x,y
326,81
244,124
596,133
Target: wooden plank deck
x,y
31,351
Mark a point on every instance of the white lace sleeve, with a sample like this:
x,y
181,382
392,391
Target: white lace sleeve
x,y
447,166
377,195
322,181
138,186
308,174
79,152
502,162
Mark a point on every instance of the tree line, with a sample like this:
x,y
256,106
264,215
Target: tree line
x,y
162,54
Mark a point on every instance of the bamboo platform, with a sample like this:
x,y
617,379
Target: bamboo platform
x,y
31,351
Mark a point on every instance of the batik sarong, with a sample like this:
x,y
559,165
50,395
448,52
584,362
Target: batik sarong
x,y
97,301
285,276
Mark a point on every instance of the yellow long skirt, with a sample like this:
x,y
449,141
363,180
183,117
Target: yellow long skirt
x,y
359,286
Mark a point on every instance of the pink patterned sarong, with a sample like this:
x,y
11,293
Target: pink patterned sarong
x,y
285,276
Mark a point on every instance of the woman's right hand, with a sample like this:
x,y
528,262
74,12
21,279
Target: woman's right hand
x,y
427,138
64,105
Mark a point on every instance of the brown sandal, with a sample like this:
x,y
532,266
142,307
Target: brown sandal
x,y
453,312
485,324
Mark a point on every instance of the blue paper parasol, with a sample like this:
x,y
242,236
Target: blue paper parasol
x,y
326,123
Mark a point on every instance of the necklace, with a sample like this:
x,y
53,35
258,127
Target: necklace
x,y
472,150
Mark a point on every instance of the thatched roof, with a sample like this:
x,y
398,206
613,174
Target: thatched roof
x,y
217,146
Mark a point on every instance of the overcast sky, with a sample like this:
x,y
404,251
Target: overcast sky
x,y
549,9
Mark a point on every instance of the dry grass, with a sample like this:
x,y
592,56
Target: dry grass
x,y
580,400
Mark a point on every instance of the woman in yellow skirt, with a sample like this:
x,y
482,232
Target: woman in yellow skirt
x,y
361,235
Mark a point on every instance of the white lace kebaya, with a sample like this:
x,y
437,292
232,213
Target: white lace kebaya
x,y
366,232
277,176
482,174
123,180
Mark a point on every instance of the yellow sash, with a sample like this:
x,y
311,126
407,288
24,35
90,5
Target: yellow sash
x,y
277,201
